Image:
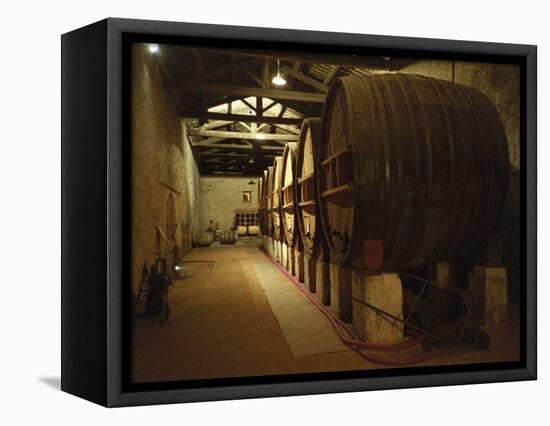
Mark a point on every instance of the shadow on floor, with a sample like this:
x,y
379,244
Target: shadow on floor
x,y
54,382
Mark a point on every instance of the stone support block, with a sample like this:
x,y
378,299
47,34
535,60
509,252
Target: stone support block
x,y
340,291
489,286
385,292
322,281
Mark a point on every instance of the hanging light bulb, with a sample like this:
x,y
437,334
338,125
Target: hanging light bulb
x,y
260,136
278,80
153,48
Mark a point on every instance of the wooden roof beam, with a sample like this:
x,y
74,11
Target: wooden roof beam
x,y
332,73
289,129
254,77
310,81
343,60
240,135
243,118
197,59
244,91
206,144
223,154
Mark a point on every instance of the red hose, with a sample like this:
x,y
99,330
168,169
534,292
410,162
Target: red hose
x,y
353,342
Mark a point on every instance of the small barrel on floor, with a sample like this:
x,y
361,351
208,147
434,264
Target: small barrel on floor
x,y
206,238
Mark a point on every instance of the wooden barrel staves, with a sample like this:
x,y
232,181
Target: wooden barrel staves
x,y
268,195
288,194
415,163
206,238
276,205
260,205
306,189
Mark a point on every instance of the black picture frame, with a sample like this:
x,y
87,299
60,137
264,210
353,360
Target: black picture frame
x,y
95,206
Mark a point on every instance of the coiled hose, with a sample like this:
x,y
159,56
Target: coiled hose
x,y
350,339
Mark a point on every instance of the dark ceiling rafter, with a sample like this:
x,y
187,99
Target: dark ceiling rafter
x,y
240,135
220,71
232,146
281,113
332,73
288,129
246,91
202,79
246,118
376,62
310,81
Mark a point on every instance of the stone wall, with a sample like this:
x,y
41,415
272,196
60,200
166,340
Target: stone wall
x,y
162,164
220,196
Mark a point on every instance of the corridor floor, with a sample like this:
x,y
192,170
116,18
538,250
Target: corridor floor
x,y
236,314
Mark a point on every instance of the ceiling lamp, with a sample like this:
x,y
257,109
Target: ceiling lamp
x,y
278,80
251,161
153,48
260,136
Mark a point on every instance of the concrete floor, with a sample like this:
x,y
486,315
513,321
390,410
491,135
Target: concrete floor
x,y
237,315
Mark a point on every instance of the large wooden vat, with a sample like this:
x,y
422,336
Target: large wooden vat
x,y
288,194
268,195
307,210
260,204
276,206
416,163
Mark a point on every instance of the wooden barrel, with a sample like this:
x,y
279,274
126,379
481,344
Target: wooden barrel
x,y
260,207
415,163
252,230
276,205
268,195
288,194
307,207
228,237
206,238
241,230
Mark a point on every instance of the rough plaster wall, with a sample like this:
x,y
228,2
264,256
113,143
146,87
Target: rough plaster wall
x,y
437,69
220,196
499,82
160,159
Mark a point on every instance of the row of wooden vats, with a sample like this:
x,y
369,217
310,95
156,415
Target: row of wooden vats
x,y
401,172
